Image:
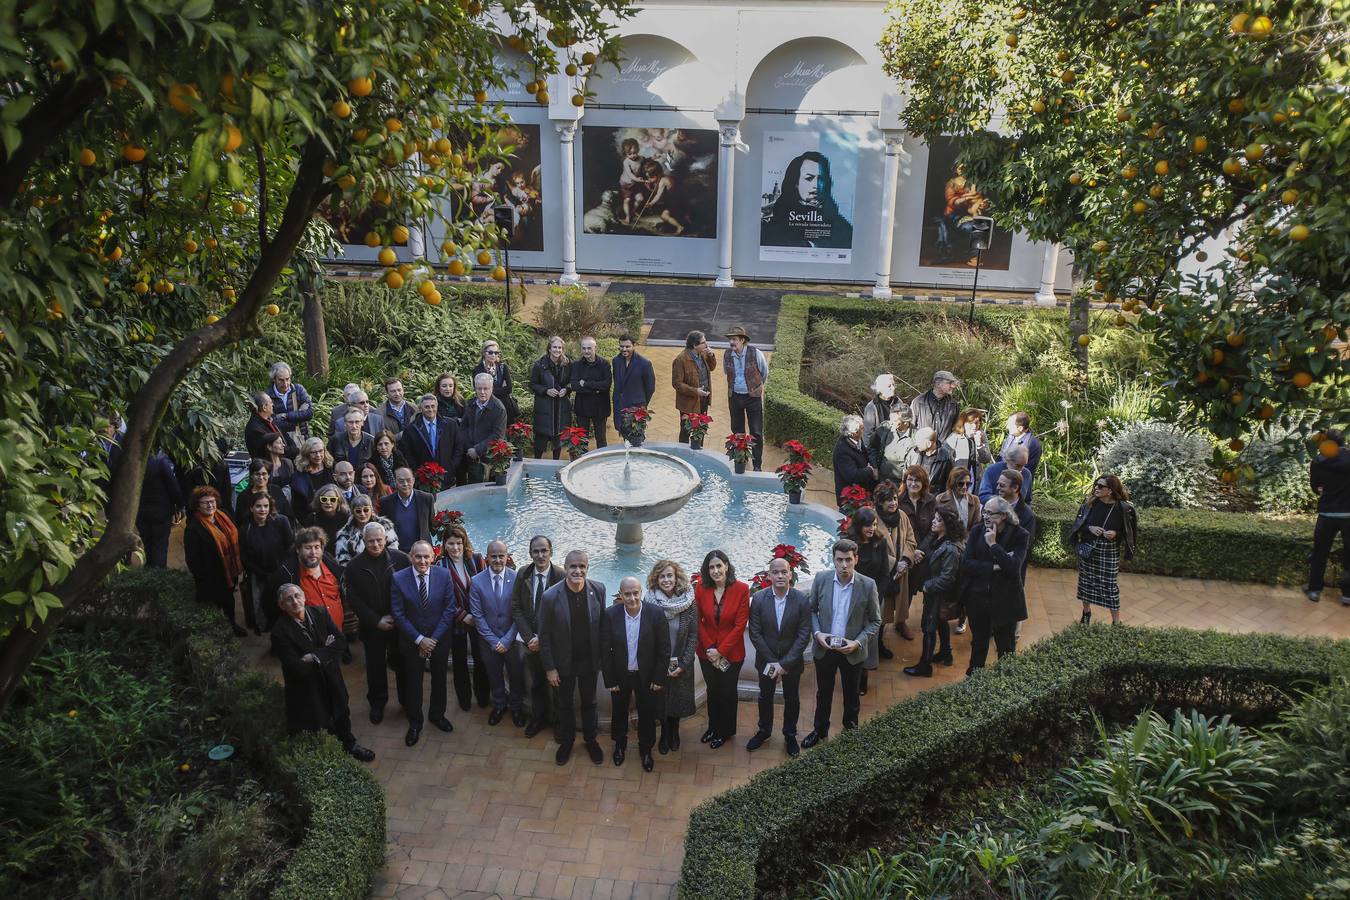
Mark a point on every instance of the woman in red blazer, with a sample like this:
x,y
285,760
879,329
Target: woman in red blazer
x,y
723,610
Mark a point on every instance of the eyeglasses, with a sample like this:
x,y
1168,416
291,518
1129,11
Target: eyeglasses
x,y
1101,487
492,353
965,483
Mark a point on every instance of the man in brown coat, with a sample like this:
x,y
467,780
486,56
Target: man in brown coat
x,y
691,375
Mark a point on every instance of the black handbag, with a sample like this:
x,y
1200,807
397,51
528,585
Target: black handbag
x,y
1084,550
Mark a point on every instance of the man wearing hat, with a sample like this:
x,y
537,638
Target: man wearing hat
x,y
747,371
936,408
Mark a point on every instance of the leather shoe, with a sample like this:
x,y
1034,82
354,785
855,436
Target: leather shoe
x,y
517,718
790,742
663,745
443,724
564,753
597,755
361,753
674,741
533,728
707,736
376,715
619,755
885,652
715,743
812,739
756,742
647,762
496,716
413,734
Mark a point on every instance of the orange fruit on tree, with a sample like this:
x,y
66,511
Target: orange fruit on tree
x,y
1075,178
1011,40
227,85
233,139
211,243
1289,196
391,124
1129,172
342,109
1161,167
426,287
1200,144
388,257
1038,106
393,279
588,58
1139,207
1235,339
180,96
190,245
484,257
1236,445
272,309
1228,476
362,86
228,293
1100,246
400,234
443,145
347,182
1302,379
1236,398
456,267
1084,340
1232,168
1216,357
1331,332
372,239
404,269
1253,152
1238,24
1237,106
578,100
1299,233
116,254
541,97
1156,192
239,207
1260,27
433,298
571,70
1328,448
499,273
87,157
212,319
133,153
1266,411
480,96
141,287
1067,76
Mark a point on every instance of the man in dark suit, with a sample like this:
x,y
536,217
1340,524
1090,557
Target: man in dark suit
x,y
591,379
260,430
490,605
421,600
409,509
845,615
374,422
366,585
397,412
433,438
634,656
780,629
161,508
634,384
484,422
569,648
532,581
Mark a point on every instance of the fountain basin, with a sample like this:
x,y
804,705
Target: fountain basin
x,y
629,487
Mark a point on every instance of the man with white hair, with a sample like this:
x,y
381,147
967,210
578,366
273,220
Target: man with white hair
x,y
366,582
1016,460
359,399
878,410
851,465
484,422
291,406
936,408
933,456
339,412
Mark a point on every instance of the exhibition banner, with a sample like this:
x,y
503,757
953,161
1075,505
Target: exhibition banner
x,y
806,208
350,227
950,201
507,172
649,182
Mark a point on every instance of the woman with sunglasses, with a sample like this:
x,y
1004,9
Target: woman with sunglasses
x,y
493,364
330,512
313,469
1104,529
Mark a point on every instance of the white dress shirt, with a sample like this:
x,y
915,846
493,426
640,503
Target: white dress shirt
x,y
843,600
780,607
631,626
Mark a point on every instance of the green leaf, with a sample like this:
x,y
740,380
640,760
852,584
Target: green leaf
x,y
17,108
196,9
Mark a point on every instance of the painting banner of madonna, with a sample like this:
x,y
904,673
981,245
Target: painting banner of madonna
x,y
806,208
507,171
652,182
949,203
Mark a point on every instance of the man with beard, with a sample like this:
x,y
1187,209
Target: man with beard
x,y
805,214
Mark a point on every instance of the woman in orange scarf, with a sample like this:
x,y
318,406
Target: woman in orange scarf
x,y
211,548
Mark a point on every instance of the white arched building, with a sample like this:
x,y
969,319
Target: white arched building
x,y
749,85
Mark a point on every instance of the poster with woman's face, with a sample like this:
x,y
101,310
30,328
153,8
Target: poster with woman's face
x,y
806,208
950,202
650,182
507,173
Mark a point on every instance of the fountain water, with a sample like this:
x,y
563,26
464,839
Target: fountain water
x,y
629,487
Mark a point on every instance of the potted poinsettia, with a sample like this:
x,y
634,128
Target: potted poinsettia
x,y
696,426
519,434
795,561
575,441
853,498
430,476
794,476
498,459
739,445
635,419
796,451
442,522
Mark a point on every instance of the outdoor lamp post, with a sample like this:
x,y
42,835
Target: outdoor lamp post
x,y
504,215
981,231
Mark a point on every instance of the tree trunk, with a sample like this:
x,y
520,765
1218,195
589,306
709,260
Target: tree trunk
x,y
1079,314
316,337
119,537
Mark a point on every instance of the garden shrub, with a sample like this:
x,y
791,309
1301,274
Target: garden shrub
x,y
1160,464
630,310
772,833
1280,477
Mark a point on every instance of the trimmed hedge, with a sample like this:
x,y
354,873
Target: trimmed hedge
x,y
629,309
1181,543
776,832
344,841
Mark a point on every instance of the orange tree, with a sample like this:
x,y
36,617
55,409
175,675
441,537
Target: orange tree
x,y
1133,133
163,161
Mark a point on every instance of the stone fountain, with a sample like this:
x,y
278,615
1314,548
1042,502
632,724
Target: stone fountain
x,y
629,486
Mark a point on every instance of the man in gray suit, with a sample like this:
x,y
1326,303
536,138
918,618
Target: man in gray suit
x,y
490,605
845,615
780,629
569,648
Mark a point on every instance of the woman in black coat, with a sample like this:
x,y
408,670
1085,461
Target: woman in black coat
x,y
211,551
991,582
449,401
1102,533
265,539
260,482
492,364
313,469
850,462
940,587
550,381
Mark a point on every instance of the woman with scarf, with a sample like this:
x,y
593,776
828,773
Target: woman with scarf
x,y
313,469
877,412
260,482
265,541
280,469
918,503
550,377
211,550
970,448
895,600
388,459
372,481
350,541
991,582
458,556
940,588
1103,532
668,588
449,401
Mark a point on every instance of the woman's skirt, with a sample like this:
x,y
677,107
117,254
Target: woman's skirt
x,y
1099,575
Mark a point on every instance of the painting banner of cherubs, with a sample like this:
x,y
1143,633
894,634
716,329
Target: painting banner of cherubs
x,y
950,201
806,208
653,182
506,172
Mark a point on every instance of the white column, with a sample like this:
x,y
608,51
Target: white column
x,y
726,184
1049,264
567,131
886,238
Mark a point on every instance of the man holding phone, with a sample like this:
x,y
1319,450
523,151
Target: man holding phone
x,y
780,629
845,615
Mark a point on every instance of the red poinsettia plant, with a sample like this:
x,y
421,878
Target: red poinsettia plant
x,y
844,525
635,419
739,446
795,561
442,522
519,434
853,498
794,475
696,424
498,455
430,476
574,440
797,452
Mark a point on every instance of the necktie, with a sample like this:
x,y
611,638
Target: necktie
x,y
422,590
431,436
497,587
538,590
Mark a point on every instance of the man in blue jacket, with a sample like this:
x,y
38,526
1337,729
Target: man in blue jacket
x,y
490,605
634,385
422,603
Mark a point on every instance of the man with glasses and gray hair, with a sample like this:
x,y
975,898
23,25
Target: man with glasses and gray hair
x,y
936,408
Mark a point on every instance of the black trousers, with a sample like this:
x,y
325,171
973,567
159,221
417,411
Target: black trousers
x,y
596,425
792,702
506,675
1005,639
580,683
466,688
542,442
631,685
155,538
383,653
1324,535
412,680
744,407
722,699
828,664
703,404
541,692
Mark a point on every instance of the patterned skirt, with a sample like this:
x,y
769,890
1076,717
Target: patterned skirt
x,y
1099,575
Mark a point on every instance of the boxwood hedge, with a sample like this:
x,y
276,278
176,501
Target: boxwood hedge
x,y
1181,543
775,833
342,803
